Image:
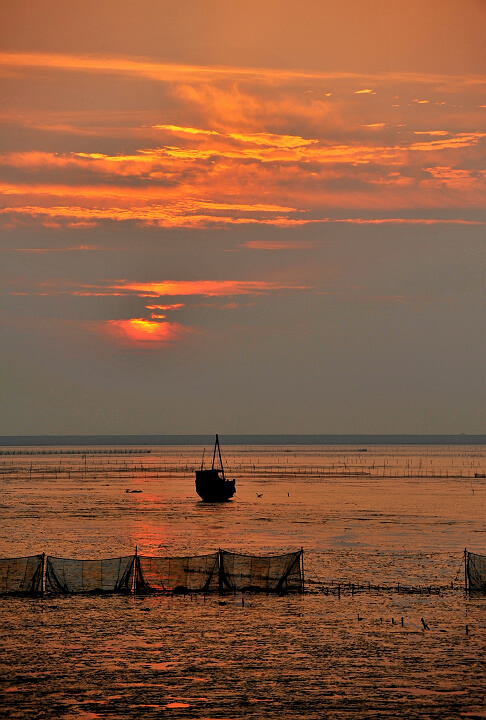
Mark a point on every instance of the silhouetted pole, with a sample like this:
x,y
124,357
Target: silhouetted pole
x,y
302,566
135,571
220,569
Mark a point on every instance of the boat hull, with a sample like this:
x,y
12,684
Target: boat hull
x,y
211,487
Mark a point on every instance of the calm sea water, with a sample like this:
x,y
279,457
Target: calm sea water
x,y
387,516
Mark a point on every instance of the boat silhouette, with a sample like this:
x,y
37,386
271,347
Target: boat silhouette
x,y
211,484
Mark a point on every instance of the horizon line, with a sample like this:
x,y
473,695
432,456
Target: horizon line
x,y
246,439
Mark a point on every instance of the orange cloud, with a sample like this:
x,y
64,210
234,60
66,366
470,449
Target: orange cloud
x,y
175,306
48,250
157,164
174,184
256,207
208,288
430,132
278,245
101,64
410,221
170,72
264,147
267,139
158,216
167,288
190,131
461,140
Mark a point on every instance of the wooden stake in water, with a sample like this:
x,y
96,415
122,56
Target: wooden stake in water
x,y
302,567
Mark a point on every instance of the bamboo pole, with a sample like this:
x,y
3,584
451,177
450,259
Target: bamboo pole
x,y
302,567
44,569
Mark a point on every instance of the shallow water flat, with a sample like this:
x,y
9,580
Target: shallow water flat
x,y
395,516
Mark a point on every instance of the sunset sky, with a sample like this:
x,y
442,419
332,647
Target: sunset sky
x,y
242,217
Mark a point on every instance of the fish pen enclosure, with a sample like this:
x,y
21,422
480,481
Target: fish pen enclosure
x,y
138,574
475,570
220,571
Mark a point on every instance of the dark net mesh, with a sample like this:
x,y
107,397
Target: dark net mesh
x,y
278,573
181,574
218,571
21,576
114,575
476,571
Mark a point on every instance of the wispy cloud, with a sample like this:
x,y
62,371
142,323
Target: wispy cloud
x,y
174,306
165,288
170,72
206,288
430,132
278,244
265,139
50,250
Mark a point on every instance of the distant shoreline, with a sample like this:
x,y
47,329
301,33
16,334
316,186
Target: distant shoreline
x,y
154,440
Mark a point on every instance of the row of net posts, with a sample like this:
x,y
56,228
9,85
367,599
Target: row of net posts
x,y
220,571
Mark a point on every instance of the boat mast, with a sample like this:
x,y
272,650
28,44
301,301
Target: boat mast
x,y
216,445
220,458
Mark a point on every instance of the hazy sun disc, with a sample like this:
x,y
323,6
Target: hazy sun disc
x,y
142,332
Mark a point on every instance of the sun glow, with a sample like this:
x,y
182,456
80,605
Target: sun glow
x,y
143,332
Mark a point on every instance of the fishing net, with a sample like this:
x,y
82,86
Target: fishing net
x,y
218,571
476,571
21,576
114,575
247,573
180,574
